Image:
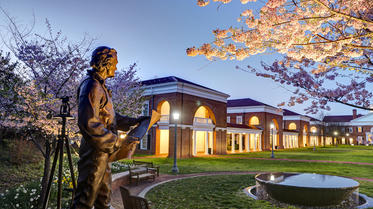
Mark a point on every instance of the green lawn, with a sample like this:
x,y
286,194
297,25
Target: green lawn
x,y
222,191
225,191
340,153
22,169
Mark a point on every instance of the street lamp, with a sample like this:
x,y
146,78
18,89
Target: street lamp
x,y
348,140
272,126
336,134
176,116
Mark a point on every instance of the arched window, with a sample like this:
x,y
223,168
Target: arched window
x,y
292,126
165,108
313,129
254,121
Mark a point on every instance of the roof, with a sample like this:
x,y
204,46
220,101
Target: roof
x,y
244,102
170,79
339,118
234,125
289,113
313,119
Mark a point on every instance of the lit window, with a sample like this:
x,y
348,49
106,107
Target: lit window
x,y
292,126
254,121
228,119
239,120
359,129
313,129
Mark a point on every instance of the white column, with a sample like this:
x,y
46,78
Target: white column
x,y
247,149
206,142
260,142
240,142
255,141
232,134
194,143
211,141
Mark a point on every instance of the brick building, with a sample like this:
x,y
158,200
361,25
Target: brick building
x,y
201,128
211,124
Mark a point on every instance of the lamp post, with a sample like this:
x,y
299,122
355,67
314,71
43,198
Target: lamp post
x,y
348,140
175,170
272,127
336,134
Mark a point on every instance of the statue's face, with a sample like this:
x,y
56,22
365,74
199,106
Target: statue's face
x,y
112,66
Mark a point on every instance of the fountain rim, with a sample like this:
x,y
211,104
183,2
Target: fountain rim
x,y
293,186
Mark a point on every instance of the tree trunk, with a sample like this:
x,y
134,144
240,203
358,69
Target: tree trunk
x,y
44,182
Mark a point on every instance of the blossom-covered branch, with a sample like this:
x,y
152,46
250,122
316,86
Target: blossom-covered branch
x,y
336,36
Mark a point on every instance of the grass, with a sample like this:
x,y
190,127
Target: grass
x,y
197,193
222,191
21,167
340,153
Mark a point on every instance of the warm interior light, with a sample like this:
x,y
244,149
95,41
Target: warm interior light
x,y
272,177
335,133
272,126
347,134
122,136
176,115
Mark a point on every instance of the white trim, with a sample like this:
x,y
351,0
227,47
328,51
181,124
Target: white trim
x,y
316,122
183,126
337,124
290,133
180,87
220,129
246,109
361,123
297,117
243,130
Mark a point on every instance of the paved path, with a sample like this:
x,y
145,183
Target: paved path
x,y
116,200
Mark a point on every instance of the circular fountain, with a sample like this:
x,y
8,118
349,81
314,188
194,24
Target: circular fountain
x,y
306,189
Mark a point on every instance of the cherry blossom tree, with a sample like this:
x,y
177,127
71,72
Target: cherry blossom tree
x,y
127,91
51,67
326,44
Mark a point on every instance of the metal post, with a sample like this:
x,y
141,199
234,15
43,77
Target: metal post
x,y
174,167
272,155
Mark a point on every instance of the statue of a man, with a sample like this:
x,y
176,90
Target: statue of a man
x,y
98,124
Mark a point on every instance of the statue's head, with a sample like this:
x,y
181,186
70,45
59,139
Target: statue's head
x,y
104,61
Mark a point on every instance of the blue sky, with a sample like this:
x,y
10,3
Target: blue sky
x,y
155,34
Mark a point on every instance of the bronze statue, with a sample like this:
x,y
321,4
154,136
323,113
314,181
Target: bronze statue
x,y
98,124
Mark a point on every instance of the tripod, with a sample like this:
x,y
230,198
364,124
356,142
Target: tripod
x,y
62,140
